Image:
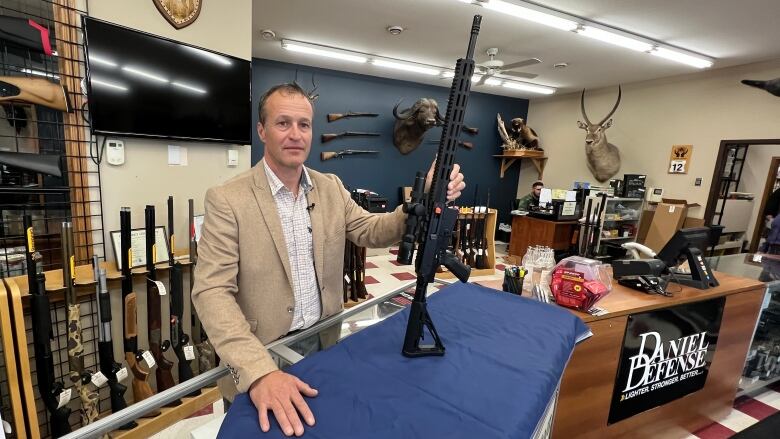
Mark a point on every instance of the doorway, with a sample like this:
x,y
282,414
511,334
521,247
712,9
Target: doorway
x,y
771,185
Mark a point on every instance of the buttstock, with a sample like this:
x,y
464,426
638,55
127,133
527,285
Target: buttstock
x,y
327,155
328,137
35,91
332,117
131,319
467,145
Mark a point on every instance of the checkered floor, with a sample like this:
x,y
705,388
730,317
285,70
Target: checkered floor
x,y
747,411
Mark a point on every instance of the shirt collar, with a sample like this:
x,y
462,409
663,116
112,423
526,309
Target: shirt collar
x,y
276,185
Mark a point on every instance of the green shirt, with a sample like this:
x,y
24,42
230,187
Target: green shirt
x,y
527,201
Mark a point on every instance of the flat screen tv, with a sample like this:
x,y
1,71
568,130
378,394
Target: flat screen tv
x,y
144,85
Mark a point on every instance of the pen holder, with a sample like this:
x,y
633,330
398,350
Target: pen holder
x,y
513,284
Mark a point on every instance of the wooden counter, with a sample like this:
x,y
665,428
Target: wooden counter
x,y
586,388
528,231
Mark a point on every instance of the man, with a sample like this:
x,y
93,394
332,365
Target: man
x,y
271,253
531,199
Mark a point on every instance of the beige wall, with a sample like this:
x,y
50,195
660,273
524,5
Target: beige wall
x,y
699,109
146,177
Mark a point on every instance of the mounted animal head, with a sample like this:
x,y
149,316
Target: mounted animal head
x,y
412,123
603,158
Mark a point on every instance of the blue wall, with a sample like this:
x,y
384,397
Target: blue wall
x,y
385,172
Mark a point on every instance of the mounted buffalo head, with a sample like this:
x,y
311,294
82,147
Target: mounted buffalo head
x,y
603,158
412,123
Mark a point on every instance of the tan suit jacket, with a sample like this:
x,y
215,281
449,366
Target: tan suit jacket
x,y
243,284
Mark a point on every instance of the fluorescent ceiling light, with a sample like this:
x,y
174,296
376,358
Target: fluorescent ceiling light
x,y
682,58
405,67
40,73
529,87
531,15
144,74
219,59
101,60
493,81
107,84
314,50
613,38
188,87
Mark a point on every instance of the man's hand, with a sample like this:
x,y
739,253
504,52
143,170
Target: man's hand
x,y
456,181
281,393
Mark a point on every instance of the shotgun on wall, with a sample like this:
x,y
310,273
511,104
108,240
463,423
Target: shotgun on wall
x,y
108,367
433,217
40,313
45,164
78,375
179,339
154,309
133,356
37,91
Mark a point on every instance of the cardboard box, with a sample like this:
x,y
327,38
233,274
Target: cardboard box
x,y
667,219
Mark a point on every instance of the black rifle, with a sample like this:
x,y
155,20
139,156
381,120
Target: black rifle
x,y
108,367
332,117
471,233
480,253
45,164
25,33
48,387
133,357
78,375
328,137
327,155
179,339
207,358
154,310
433,217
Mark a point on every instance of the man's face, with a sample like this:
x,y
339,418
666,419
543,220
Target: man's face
x,y
537,191
287,130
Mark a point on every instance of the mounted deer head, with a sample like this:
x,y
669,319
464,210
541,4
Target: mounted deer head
x,y
603,158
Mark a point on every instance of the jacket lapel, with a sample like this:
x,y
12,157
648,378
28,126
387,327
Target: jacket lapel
x,y
265,201
318,230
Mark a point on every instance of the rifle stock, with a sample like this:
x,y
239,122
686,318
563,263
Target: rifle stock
x,y
327,155
37,91
154,309
332,117
470,130
40,309
45,164
140,385
78,376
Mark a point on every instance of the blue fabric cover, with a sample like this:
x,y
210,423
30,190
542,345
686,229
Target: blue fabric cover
x,y
504,358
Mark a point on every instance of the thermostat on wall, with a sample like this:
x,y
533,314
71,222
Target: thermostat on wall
x,y
654,194
115,153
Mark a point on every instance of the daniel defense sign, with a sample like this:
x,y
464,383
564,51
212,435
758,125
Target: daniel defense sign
x,y
666,355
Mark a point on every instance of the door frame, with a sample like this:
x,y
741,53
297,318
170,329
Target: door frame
x,y
771,176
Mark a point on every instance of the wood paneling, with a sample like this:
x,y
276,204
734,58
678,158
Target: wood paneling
x,y
528,231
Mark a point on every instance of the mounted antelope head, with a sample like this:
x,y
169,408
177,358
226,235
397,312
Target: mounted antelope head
x,y
603,158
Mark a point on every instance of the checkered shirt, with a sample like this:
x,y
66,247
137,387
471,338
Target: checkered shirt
x,y
296,224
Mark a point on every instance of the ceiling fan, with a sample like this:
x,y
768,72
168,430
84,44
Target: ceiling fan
x,y
495,66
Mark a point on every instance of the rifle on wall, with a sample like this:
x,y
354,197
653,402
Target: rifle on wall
x,y
154,309
207,358
37,91
470,130
108,367
433,216
78,375
328,137
179,339
45,164
133,356
332,117
481,259
327,155
40,313
25,33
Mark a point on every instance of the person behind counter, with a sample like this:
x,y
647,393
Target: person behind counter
x,y
532,198
271,253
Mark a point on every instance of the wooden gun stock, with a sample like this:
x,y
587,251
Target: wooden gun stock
x,y
470,130
37,91
141,387
327,155
332,117
467,145
328,137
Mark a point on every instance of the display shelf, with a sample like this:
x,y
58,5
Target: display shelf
x,y
614,212
536,157
618,238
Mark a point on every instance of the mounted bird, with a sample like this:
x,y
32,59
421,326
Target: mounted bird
x,y
602,157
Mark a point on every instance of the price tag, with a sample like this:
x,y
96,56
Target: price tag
x,y
756,258
189,352
160,288
149,358
64,398
121,374
678,167
98,379
7,427
479,252
346,278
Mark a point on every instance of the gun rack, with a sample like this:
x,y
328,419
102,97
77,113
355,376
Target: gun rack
x,y
490,232
509,157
